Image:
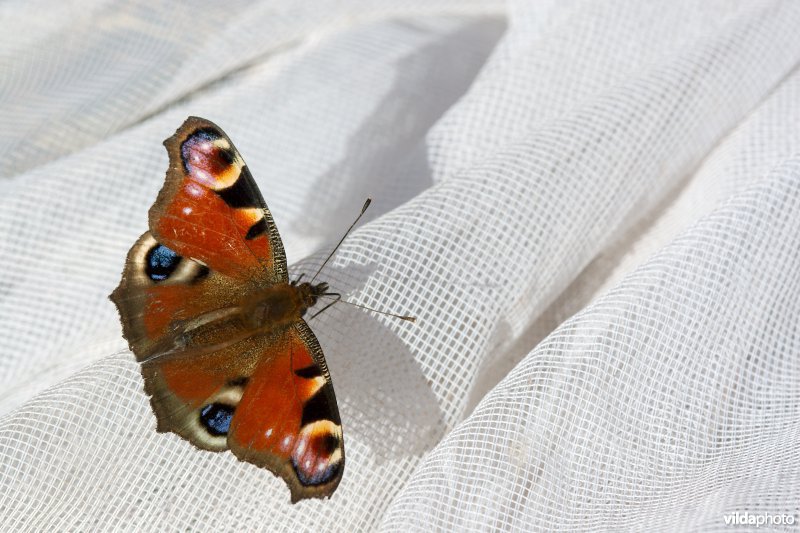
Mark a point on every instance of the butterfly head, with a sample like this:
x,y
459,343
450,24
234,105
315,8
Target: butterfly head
x,y
310,293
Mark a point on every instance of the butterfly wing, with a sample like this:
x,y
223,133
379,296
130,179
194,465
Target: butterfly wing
x,y
211,240
287,420
195,395
210,207
275,407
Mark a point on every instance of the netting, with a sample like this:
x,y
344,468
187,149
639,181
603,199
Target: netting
x,y
591,208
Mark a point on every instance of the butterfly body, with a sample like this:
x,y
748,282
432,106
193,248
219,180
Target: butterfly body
x,y
207,308
280,305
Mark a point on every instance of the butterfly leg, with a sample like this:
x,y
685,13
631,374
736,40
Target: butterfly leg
x,y
296,281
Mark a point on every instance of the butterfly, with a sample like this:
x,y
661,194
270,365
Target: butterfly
x,y
207,308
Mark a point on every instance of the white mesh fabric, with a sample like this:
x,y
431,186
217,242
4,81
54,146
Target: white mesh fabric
x,y
591,207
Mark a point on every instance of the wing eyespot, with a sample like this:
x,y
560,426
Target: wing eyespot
x,y
329,443
318,474
317,459
161,262
216,418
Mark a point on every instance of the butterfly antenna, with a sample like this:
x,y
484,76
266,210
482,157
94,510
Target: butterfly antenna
x,y
346,233
338,299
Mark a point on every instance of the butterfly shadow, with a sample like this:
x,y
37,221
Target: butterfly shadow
x,y
387,158
385,400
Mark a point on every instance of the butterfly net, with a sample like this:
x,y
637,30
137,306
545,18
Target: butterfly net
x,y
592,208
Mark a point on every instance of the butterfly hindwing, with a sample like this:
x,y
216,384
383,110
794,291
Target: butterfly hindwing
x,y
288,420
196,396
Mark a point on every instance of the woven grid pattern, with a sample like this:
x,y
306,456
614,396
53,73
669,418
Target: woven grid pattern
x,y
591,207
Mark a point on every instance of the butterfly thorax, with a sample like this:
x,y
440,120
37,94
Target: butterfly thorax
x,y
280,305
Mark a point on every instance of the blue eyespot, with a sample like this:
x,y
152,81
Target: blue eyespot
x,y
161,262
216,418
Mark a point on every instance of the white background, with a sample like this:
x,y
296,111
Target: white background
x,y
593,208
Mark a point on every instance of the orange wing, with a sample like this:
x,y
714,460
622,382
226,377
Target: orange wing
x,y
210,207
211,241
269,400
287,419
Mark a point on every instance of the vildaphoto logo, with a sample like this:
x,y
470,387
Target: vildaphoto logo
x,y
746,518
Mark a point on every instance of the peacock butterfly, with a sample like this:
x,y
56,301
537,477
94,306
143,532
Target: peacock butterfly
x,y
207,308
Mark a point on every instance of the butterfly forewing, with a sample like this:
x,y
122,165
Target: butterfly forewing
x,y
211,209
288,420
